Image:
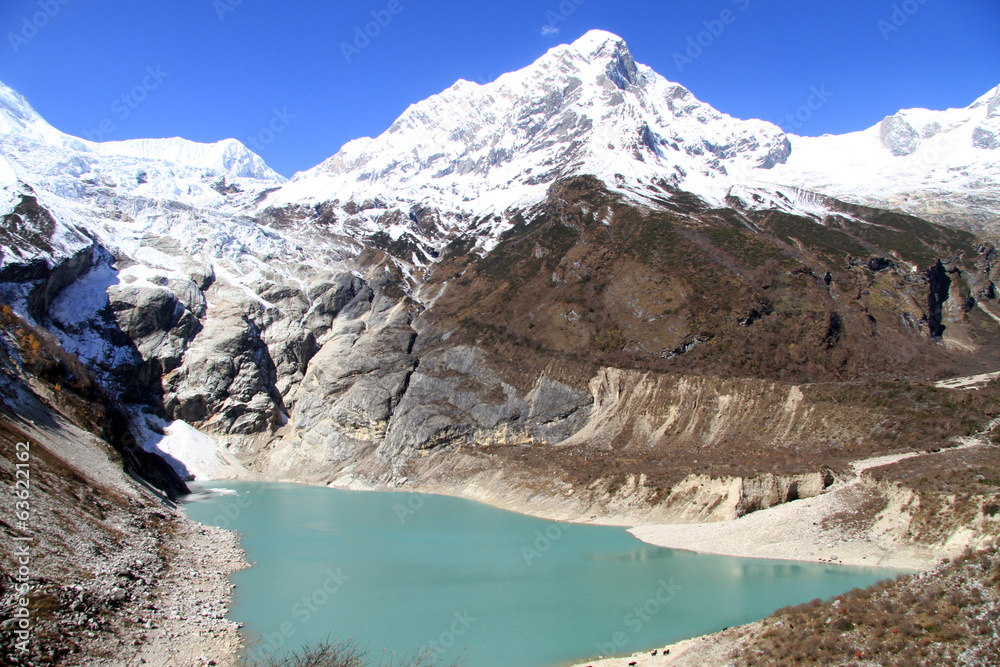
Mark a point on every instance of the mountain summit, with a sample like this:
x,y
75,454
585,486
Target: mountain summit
x,y
585,108
42,149
940,165
474,152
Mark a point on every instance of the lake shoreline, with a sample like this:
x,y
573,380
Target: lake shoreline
x,y
791,531
190,623
805,530
702,640
800,531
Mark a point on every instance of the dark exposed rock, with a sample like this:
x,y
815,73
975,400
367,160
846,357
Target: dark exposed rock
x,y
834,330
985,139
59,278
939,290
880,264
779,154
898,136
623,70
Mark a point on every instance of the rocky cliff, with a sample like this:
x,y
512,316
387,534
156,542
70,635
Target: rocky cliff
x,y
581,301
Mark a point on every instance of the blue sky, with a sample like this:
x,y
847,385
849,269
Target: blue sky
x,y
211,69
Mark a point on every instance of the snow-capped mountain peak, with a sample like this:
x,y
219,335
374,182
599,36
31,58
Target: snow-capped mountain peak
x,y
607,49
226,157
583,108
99,190
42,149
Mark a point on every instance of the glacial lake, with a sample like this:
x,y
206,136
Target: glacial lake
x,y
407,573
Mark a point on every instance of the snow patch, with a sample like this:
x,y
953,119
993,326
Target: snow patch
x,y
82,300
191,453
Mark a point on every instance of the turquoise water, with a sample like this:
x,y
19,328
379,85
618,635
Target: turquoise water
x,y
408,574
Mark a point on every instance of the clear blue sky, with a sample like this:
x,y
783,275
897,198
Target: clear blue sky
x,y
225,77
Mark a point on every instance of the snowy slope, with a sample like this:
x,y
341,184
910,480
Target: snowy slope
x,y
123,194
228,156
8,186
944,165
177,169
192,454
582,108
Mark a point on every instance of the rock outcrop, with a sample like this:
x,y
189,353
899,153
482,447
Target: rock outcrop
x,y
899,136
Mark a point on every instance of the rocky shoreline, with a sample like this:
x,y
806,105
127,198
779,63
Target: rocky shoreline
x,y
189,626
196,591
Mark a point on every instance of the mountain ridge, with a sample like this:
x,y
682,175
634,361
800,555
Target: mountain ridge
x,y
685,343
474,151
665,135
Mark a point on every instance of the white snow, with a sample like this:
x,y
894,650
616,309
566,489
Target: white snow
x,y
175,168
82,299
190,452
224,157
857,166
8,187
476,150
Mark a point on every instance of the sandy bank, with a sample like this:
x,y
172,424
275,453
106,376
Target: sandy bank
x,y
707,651
806,530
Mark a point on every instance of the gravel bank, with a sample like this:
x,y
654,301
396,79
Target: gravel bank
x,y
187,624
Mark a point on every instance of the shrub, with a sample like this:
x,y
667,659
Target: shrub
x,y
338,654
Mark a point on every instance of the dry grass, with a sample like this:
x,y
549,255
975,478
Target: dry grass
x,y
956,488
947,617
749,290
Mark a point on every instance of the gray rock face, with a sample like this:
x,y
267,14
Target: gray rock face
x,y
227,380
985,139
622,70
899,136
456,397
374,395
159,323
291,347
332,296
353,384
779,154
